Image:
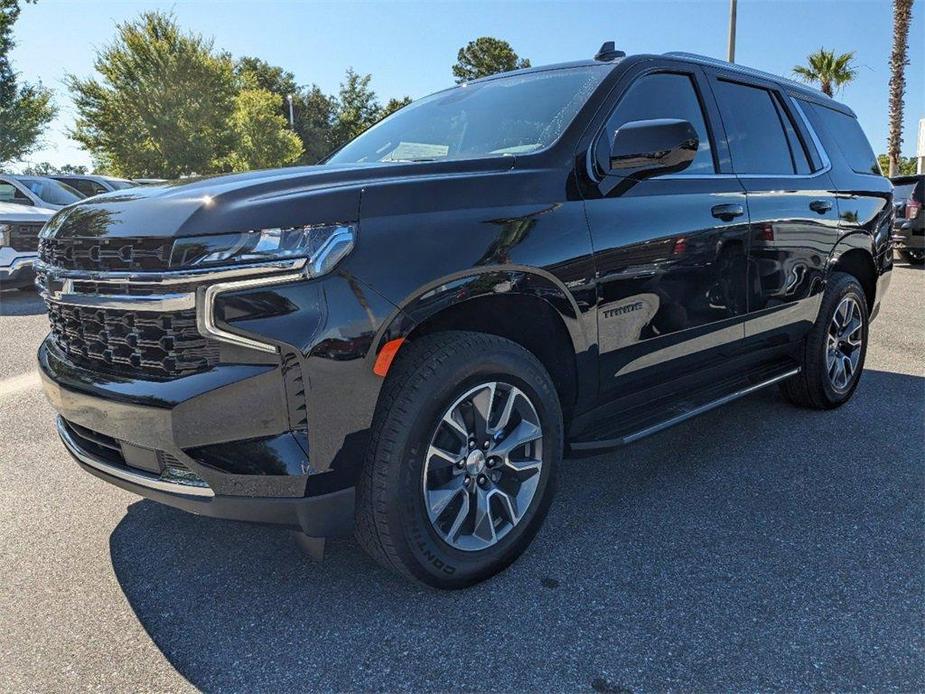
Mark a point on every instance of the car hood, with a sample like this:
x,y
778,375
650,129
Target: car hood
x,y
259,199
11,212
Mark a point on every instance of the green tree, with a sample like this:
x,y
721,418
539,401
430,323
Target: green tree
x,y
899,58
314,116
831,72
392,105
486,56
905,166
254,73
312,110
25,109
262,136
356,108
162,104
45,168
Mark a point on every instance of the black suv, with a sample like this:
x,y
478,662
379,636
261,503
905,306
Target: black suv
x,y
405,340
909,226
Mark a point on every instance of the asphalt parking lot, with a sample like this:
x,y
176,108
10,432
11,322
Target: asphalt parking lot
x,y
756,547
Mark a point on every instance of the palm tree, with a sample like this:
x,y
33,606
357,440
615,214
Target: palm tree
x,y
829,70
902,11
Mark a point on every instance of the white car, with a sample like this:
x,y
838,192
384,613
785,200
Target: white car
x,y
37,191
19,243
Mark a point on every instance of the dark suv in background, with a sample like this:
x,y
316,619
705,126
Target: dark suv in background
x,y
909,226
407,339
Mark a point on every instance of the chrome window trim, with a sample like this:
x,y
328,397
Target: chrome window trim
x,y
205,313
823,155
127,474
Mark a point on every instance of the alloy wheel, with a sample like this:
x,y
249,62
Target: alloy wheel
x,y
483,466
843,343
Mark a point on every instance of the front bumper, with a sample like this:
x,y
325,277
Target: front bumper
x,y
273,429
184,416
19,273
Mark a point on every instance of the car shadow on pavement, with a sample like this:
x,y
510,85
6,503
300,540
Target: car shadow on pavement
x,y
759,546
20,302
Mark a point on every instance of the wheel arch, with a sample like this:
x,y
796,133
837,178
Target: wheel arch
x,y
526,306
853,255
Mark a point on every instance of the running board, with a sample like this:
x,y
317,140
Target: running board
x,y
692,411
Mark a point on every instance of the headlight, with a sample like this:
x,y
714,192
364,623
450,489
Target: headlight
x,y
5,230
323,246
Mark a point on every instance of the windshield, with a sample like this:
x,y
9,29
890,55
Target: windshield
x,y
51,191
501,117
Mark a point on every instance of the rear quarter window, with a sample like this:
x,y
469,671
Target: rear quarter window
x,y
843,132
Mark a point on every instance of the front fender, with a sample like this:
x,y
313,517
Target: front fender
x,y
445,292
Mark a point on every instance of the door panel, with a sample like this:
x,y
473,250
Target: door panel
x,y
671,277
792,233
670,250
793,211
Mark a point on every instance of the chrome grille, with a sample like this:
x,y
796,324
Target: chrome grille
x,y
132,343
106,254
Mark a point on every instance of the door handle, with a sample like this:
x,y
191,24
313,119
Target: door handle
x,y
728,212
820,206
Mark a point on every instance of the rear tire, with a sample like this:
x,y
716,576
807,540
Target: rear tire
x,y
453,520
833,352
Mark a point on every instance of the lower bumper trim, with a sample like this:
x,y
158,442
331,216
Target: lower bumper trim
x,y
135,477
324,515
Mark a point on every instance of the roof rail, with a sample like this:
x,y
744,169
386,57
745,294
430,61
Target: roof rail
x,y
735,67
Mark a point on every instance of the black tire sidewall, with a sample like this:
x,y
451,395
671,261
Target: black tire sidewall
x,y
433,560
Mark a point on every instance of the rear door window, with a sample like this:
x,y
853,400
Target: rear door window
x,y
755,130
843,132
662,95
84,185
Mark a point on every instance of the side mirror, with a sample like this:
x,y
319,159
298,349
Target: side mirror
x,y
648,147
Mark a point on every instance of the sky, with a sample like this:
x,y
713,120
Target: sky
x,y
409,47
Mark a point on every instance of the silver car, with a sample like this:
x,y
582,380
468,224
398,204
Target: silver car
x,y
37,191
19,242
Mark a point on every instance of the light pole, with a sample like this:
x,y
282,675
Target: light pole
x,y
291,119
731,57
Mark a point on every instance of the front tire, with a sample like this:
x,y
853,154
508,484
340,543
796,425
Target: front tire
x,y
461,466
833,352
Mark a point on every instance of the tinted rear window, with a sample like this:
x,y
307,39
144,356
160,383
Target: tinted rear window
x,y
754,130
904,189
843,132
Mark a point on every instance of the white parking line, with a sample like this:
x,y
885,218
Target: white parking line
x,y
17,384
